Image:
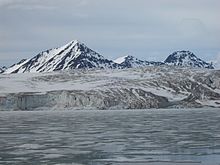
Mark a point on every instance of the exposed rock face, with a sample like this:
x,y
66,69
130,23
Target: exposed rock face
x,y
186,59
136,88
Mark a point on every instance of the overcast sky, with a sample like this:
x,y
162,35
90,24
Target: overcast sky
x,y
147,29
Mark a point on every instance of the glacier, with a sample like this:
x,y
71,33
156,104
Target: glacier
x,y
108,89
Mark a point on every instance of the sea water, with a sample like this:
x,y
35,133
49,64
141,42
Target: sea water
x,y
154,137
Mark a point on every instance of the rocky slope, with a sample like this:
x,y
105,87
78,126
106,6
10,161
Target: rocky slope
x,y
135,88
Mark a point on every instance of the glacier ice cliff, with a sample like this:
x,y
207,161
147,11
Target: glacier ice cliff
x,y
134,88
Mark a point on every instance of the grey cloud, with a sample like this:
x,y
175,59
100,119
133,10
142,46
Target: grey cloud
x,y
36,4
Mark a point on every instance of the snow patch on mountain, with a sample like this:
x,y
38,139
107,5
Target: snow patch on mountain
x,y
120,59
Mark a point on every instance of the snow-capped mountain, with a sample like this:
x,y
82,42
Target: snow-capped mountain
x,y
70,56
133,62
76,55
186,59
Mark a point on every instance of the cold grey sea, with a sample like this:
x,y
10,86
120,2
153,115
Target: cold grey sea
x,y
154,137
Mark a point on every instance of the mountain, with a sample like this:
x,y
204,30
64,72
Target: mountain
x,y
133,62
76,55
70,56
186,59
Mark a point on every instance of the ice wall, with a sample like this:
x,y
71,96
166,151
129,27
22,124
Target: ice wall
x,y
79,99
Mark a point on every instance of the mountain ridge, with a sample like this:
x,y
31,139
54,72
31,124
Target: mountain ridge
x,y
76,55
132,62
